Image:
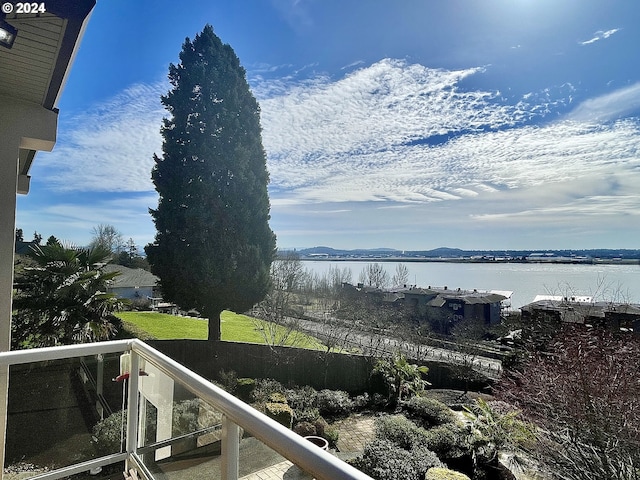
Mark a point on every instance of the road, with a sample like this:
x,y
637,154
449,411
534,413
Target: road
x,y
376,344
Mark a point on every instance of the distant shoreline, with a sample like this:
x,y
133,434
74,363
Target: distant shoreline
x,y
559,261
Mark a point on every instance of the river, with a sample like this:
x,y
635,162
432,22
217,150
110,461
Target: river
x,y
619,283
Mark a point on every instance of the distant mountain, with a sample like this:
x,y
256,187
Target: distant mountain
x,y
445,252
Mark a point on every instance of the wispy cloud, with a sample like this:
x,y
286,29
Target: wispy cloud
x,y
353,65
368,119
600,35
390,135
109,147
611,106
405,133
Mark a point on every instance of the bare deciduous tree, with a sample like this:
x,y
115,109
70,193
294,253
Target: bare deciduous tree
x,y
107,236
274,316
401,275
374,275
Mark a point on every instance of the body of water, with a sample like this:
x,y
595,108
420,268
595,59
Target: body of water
x,y
619,283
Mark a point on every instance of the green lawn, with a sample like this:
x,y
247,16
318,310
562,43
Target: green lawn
x,y
234,328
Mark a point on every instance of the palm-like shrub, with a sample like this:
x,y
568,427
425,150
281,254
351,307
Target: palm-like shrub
x,y
494,431
63,298
403,379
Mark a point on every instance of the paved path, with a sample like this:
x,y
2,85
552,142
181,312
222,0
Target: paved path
x,y
355,432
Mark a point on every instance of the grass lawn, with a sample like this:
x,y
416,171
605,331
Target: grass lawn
x,y
234,328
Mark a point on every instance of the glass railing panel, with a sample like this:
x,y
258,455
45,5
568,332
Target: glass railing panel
x,y
178,432
54,408
258,461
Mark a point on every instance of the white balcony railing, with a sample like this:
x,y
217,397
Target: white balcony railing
x,y
235,415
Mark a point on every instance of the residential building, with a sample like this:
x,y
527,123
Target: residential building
x,y
132,283
579,310
457,305
449,306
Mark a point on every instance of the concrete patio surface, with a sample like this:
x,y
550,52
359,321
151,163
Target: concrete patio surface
x,y
354,433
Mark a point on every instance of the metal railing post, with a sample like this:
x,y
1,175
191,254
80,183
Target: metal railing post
x,y
132,405
100,384
230,449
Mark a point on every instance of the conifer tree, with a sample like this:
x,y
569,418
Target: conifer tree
x,y
213,247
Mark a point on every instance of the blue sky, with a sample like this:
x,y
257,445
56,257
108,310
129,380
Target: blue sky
x,y
478,124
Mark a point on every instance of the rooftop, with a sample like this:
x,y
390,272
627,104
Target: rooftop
x,y
131,277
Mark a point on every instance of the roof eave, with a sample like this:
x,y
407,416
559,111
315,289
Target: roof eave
x,y
77,14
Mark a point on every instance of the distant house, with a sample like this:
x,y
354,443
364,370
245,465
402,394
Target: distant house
x,y
575,310
444,306
24,248
458,305
132,283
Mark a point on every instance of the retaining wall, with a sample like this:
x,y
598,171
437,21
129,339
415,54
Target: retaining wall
x,y
295,366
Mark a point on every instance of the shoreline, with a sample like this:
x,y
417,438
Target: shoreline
x,y
559,261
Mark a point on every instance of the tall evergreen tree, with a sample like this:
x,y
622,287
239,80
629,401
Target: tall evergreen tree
x,y
213,246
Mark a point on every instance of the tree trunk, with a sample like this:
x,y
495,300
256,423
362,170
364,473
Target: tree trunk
x,y
213,315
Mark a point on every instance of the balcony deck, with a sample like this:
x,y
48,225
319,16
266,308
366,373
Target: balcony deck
x,y
157,389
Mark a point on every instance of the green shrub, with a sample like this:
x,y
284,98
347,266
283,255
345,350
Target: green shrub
x,y
402,379
303,402
228,379
448,441
361,401
438,473
107,433
305,429
331,435
333,402
277,397
430,412
424,459
264,388
321,425
307,415
244,388
280,412
301,399
192,415
399,430
383,460
496,427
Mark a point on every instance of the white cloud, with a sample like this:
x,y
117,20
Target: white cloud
x,y
371,114
600,35
391,135
608,107
357,63
109,147
359,138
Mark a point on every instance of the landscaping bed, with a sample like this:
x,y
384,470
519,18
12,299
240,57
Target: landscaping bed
x,y
441,429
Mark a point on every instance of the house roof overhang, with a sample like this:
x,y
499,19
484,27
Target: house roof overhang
x,y
35,69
